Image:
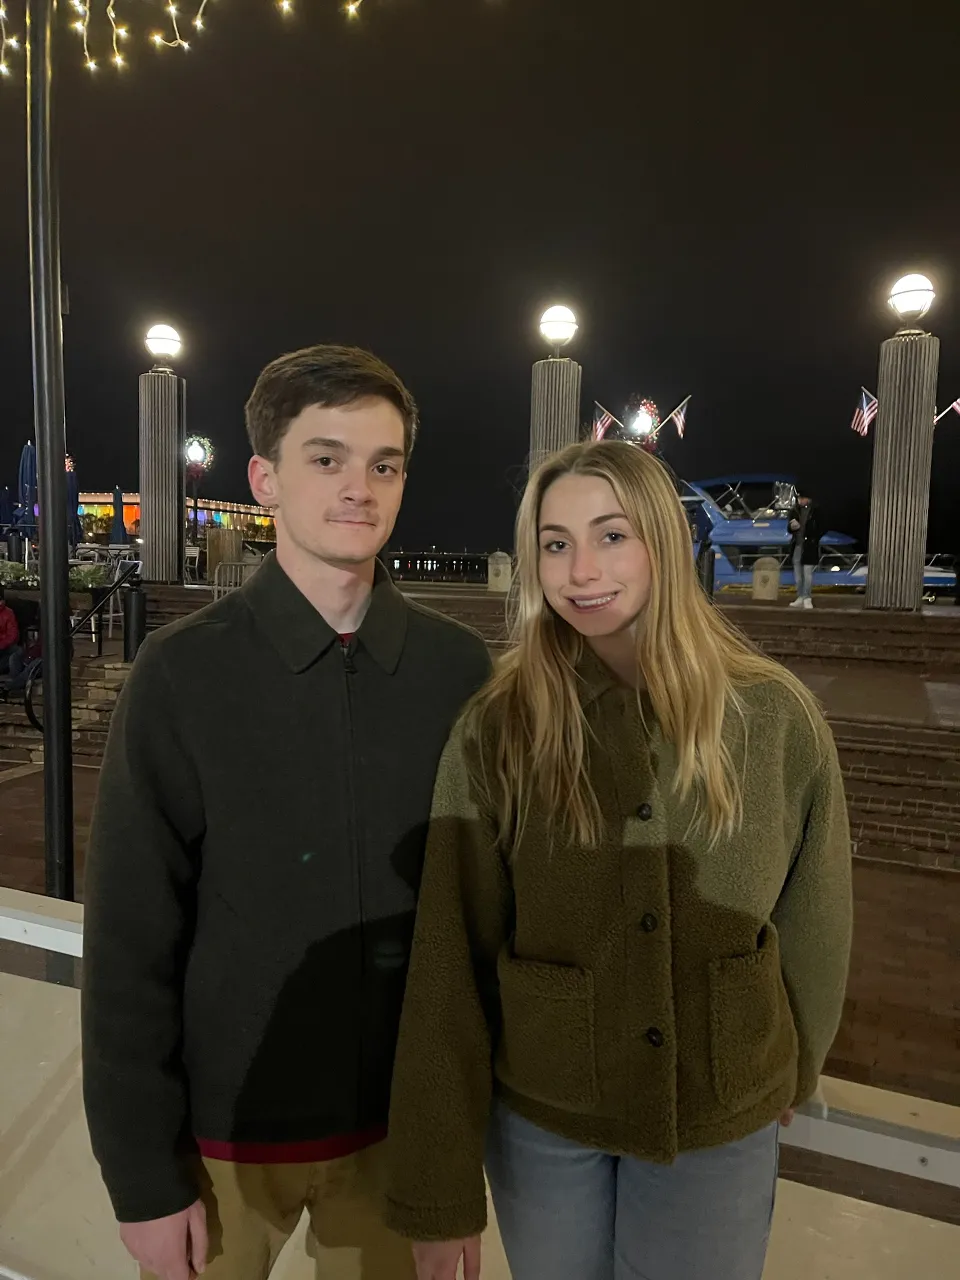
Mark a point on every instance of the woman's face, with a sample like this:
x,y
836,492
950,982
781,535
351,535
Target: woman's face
x,y
594,570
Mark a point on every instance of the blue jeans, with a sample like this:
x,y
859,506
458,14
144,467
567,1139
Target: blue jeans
x,y
802,575
567,1212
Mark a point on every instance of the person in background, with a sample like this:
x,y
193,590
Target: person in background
x,y
11,651
805,526
254,858
635,916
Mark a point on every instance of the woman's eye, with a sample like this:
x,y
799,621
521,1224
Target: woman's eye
x,y
614,537
555,546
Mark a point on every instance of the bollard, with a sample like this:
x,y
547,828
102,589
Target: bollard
x,y
15,547
707,566
134,620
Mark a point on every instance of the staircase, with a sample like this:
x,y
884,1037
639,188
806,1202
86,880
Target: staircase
x,y
903,792
95,687
170,604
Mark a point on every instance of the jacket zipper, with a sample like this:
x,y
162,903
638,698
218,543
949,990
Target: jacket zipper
x,y
350,670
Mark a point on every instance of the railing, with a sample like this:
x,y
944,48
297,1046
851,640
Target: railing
x,y
57,927
35,671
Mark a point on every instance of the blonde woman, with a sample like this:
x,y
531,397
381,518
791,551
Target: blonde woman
x,y
635,916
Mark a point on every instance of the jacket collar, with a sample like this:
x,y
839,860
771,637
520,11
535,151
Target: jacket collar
x,y
299,633
596,678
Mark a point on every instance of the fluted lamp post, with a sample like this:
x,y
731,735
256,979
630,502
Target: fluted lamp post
x,y
903,452
162,441
555,390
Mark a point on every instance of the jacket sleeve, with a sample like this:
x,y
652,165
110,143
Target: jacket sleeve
x,y
139,895
814,918
9,630
442,1084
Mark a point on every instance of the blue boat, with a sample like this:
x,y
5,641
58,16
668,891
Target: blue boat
x,y
746,517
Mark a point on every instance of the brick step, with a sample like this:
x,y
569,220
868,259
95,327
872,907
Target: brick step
x,y
904,737
932,806
894,770
12,754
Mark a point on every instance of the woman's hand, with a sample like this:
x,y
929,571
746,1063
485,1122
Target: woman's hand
x,y
440,1261
786,1120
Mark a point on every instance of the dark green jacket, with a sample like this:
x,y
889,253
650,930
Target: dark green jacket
x,y
647,997
252,874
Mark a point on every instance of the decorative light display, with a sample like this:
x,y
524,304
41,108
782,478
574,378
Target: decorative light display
x,y
198,455
642,417
100,28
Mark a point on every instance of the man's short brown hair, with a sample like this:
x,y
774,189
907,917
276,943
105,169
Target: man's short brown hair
x,y
330,377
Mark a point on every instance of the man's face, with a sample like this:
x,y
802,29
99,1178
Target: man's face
x,y
338,481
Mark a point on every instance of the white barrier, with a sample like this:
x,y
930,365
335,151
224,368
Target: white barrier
x,y
57,926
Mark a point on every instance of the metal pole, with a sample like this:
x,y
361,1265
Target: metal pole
x,y
51,453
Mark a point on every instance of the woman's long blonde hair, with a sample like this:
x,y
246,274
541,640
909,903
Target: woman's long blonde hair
x,y
529,722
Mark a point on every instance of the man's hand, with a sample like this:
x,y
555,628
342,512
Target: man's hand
x,y
173,1248
786,1120
440,1261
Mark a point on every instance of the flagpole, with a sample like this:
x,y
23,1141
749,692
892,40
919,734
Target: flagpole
x,y
681,405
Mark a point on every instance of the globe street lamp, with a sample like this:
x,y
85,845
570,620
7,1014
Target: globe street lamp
x,y
912,297
555,389
903,452
199,459
162,432
558,325
163,341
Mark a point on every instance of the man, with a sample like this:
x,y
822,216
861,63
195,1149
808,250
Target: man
x,y
804,524
11,654
255,855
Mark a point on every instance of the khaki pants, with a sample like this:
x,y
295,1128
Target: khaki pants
x,y
253,1209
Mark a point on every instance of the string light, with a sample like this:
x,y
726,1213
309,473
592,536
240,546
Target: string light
x,y
117,34
8,42
80,18
178,41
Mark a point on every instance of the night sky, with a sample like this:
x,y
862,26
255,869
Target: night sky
x,y
722,191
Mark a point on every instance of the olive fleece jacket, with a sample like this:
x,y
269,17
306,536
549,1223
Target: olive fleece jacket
x,y
650,996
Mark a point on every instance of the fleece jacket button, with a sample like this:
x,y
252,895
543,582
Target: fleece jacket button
x,y
649,923
644,812
655,1036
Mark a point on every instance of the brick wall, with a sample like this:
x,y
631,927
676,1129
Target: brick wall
x,y
901,1024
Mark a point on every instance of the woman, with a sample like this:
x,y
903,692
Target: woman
x,y
634,921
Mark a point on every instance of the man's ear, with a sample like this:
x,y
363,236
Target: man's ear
x,y
262,477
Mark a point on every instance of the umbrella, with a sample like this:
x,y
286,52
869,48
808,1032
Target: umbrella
x,y
6,507
27,485
74,527
118,531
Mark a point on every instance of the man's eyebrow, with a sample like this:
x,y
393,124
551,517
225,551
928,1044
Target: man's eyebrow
x,y
323,442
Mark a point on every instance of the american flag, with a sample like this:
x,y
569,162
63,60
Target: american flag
x,y
603,420
678,417
865,414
